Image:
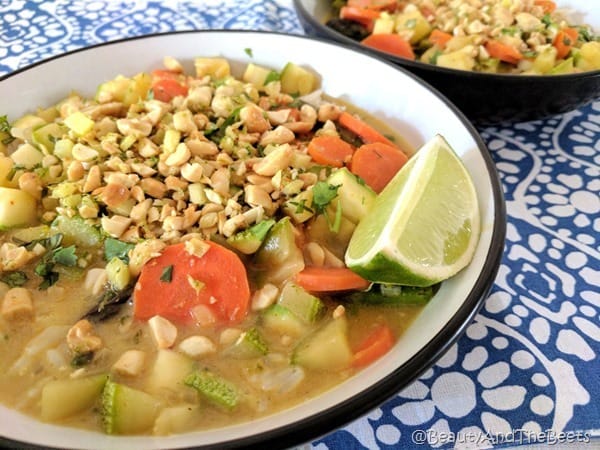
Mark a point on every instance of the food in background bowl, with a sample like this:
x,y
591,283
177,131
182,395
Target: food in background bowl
x,y
174,250
517,37
486,98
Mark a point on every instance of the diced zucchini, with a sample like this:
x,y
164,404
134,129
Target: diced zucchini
x,y
63,148
29,234
27,156
126,410
118,274
217,68
393,295
282,321
76,231
47,135
325,349
299,207
63,398
79,123
356,198
169,372
250,344
279,255
214,388
297,80
303,305
177,419
249,241
258,75
17,208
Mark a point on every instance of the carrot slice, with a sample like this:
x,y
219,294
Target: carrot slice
x,y
503,52
564,41
175,282
366,132
378,5
364,16
377,163
330,150
439,37
390,43
377,344
547,5
166,88
330,279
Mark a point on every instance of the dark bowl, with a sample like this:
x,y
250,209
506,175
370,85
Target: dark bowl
x,y
486,99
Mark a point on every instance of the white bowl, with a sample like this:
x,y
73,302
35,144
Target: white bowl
x,y
416,110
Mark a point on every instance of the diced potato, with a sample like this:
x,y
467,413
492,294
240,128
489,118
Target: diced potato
x,y
63,398
6,166
168,372
79,123
545,60
177,419
17,208
214,67
27,155
589,56
384,24
23,127
412,25
460,59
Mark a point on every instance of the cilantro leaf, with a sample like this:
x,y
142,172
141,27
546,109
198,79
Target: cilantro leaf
x,y
323,194
167,274
114,248
272,76
248,52
65,256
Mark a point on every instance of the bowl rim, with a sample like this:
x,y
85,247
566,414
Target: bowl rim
x,y
305,17
326,421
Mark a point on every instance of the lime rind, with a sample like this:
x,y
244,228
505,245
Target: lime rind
x,y
424,226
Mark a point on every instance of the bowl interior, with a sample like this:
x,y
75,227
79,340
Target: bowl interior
x,y
394,96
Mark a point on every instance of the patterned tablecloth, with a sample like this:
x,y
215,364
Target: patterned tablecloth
x,y
528,368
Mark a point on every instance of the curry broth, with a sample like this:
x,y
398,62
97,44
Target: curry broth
x,y
35,350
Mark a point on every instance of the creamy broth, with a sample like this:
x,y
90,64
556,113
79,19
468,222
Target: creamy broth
x,y
56,267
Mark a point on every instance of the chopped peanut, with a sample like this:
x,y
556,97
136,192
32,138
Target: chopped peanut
x,y
163,331
130,363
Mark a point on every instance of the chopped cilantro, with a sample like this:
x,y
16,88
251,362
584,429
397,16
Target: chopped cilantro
x,y
547,19
323,194
167,274
82,359
272,76
14,279
248,52
114,248
65,256
4,125
55,254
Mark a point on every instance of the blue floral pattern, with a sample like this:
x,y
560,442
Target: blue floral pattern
x,y
529,361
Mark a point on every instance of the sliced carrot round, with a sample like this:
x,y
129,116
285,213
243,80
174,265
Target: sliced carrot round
x,y
330,279
503,52
166,88
174,283
377,344
330,150
377,163
390,43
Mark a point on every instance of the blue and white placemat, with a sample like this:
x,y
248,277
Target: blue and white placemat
x,y
527,370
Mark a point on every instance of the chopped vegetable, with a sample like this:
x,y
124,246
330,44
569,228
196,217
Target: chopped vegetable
x,y
503,52
564,41
330,279
330,150
366,132
377,163
390,43
215,389
377,344
225,290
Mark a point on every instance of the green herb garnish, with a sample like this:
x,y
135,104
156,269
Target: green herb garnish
x,y
167,274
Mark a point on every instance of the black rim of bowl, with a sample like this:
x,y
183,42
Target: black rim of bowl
x,y
306,17
326,421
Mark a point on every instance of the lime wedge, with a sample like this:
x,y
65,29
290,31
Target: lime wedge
x,y
424,226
